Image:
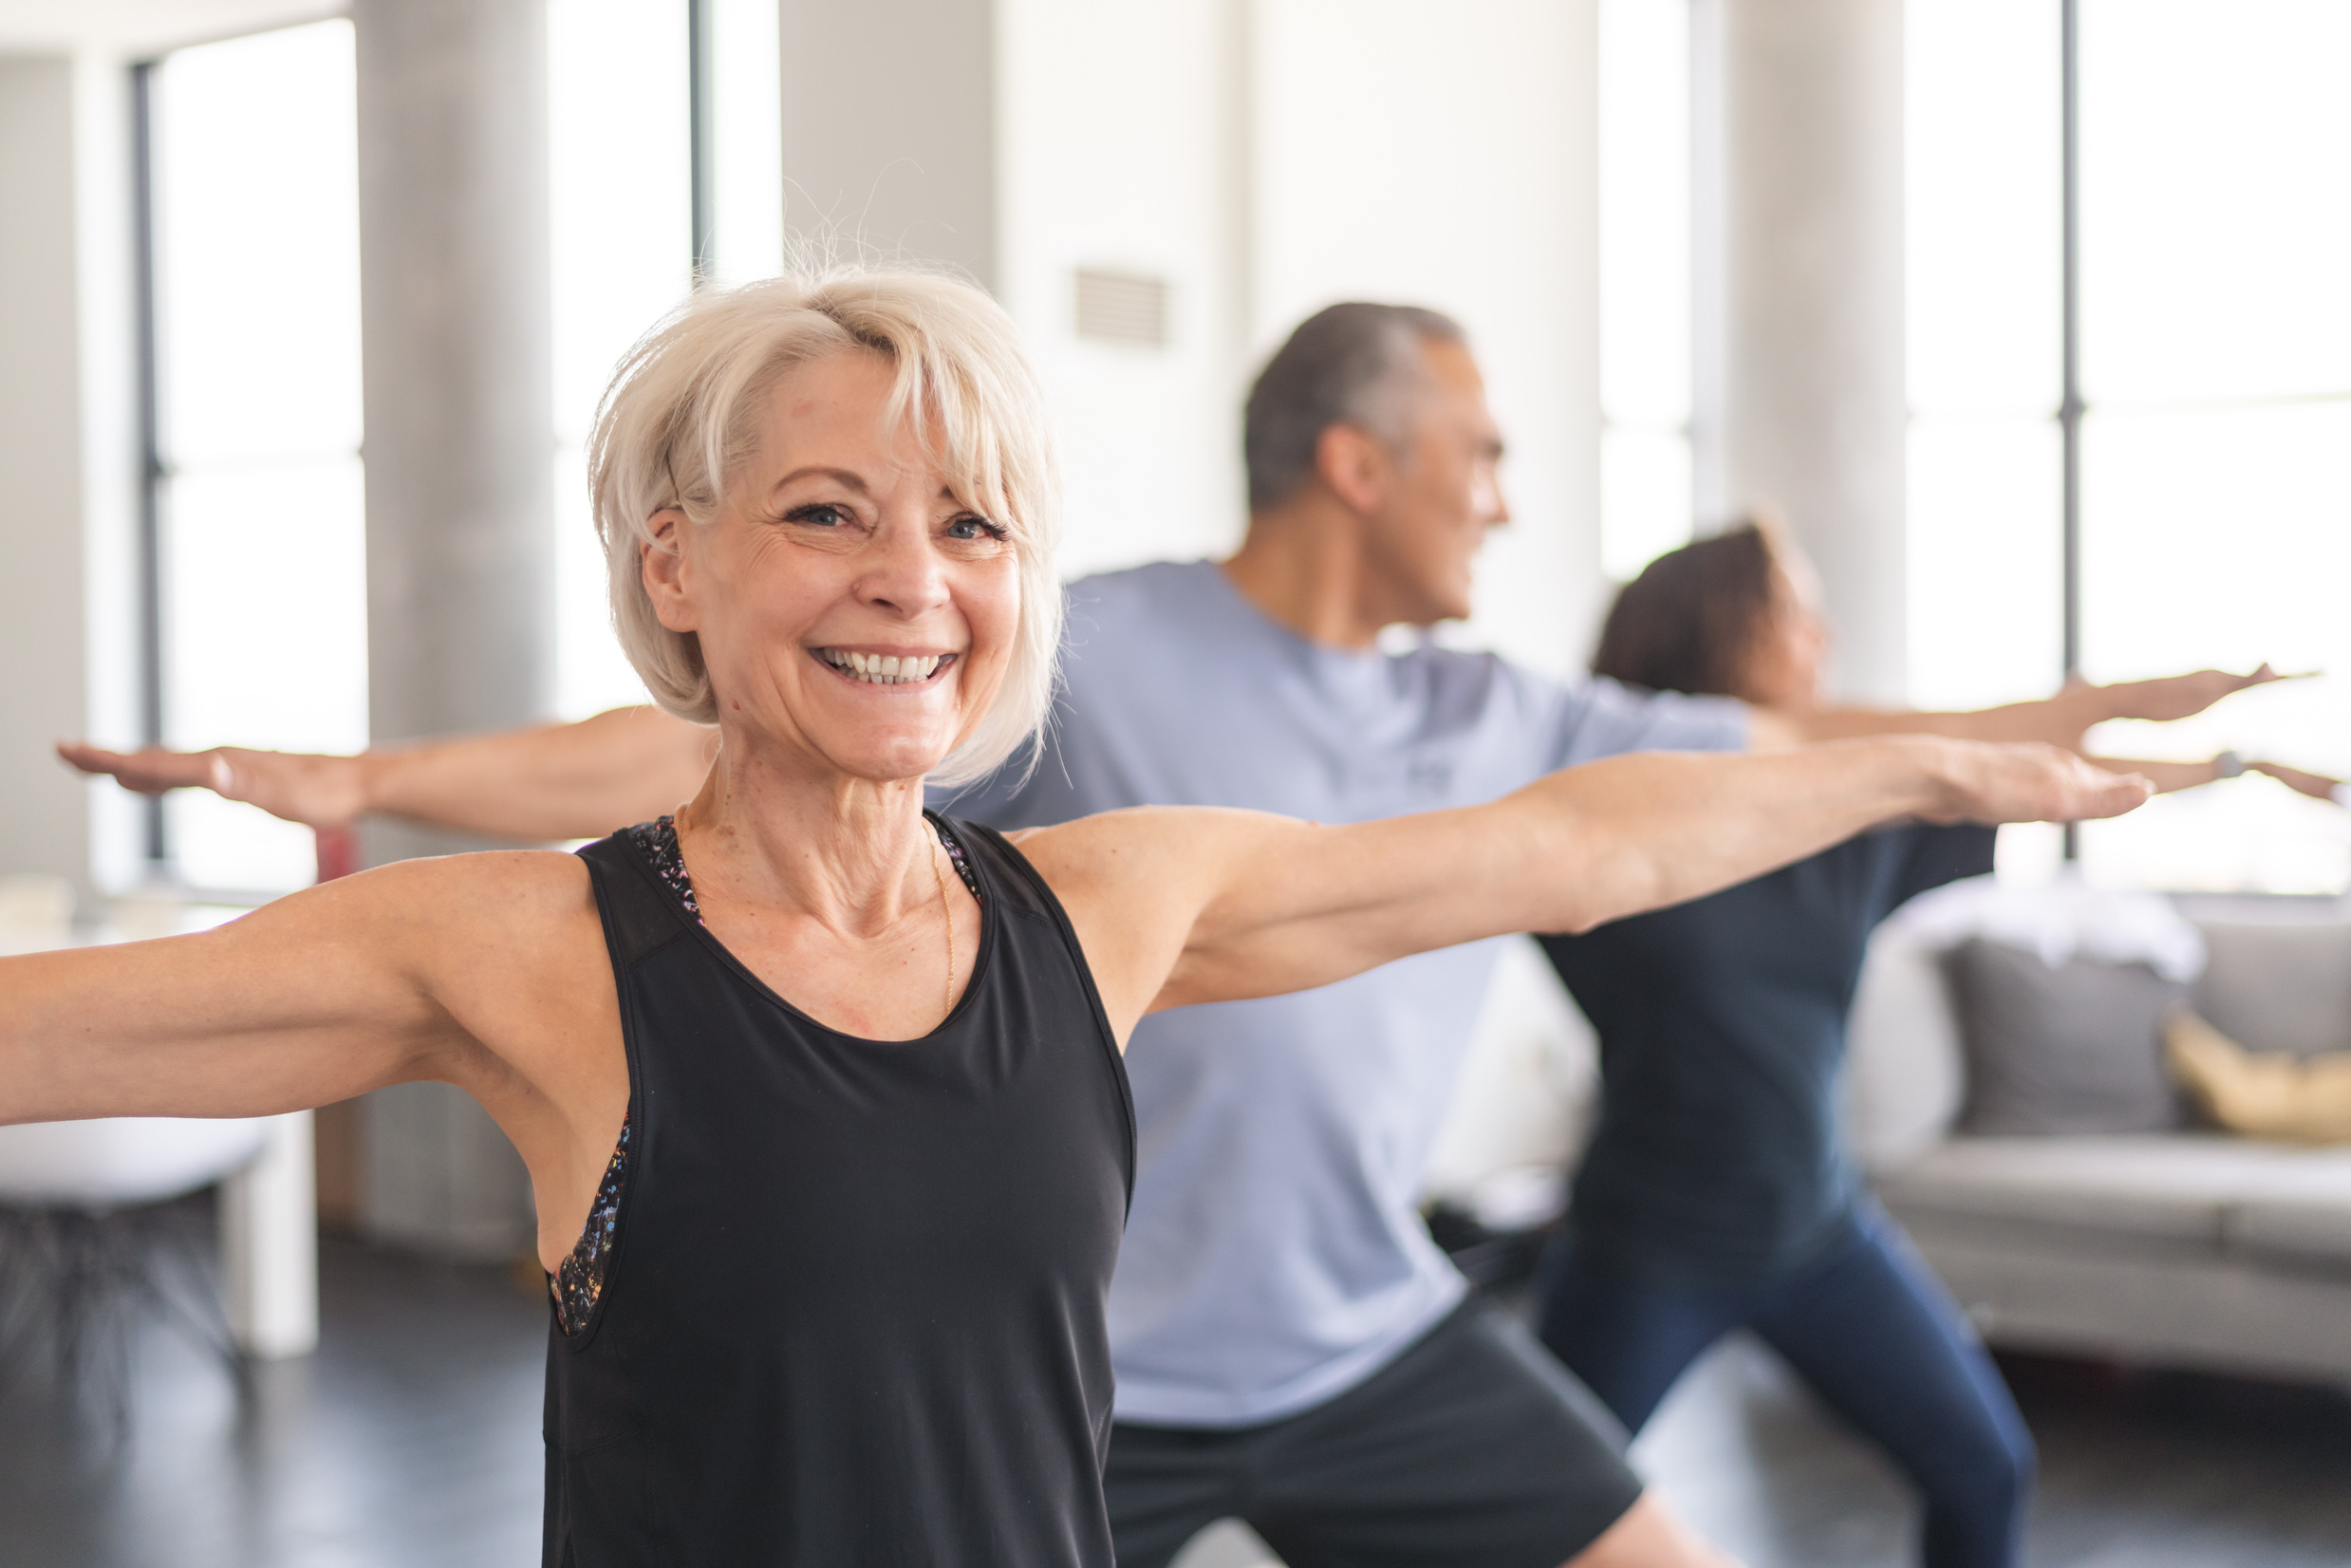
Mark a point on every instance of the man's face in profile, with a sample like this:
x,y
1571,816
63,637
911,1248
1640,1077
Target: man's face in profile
x,y
1443,492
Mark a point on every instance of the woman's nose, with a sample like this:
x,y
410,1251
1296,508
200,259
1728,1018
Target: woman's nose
x,y
905,572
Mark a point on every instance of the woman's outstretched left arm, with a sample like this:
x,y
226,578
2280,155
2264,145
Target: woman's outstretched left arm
x,y
1179,906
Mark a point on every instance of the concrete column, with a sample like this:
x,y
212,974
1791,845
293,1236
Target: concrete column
x,y
46,827
1801,395
453,171
919,180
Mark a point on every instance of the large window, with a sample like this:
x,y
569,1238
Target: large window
x,y
1646,500
260,599
2163,397
664,152
622,194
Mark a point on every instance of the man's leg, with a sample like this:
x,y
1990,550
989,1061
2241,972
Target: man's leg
x,y
1165,1485
1629,1342
1887,1349
1473,1449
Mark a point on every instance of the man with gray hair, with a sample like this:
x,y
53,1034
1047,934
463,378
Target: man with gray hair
x,y
1291,1348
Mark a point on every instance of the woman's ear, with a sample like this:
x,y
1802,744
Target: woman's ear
x,y
661,566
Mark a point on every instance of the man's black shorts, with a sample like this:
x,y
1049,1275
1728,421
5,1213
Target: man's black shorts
x,y
1474,1449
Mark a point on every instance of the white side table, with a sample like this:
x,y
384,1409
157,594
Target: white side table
x,y
268,1207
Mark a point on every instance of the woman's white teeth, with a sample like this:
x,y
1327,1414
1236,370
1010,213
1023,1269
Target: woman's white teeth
x,y
884,669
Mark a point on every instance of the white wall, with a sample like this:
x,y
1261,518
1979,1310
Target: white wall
x,y
1446,155
1120,132
44,811
1267,158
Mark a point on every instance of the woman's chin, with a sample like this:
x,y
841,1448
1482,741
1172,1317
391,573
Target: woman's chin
x,y
901,761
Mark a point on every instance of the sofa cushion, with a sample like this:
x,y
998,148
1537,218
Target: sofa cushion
x,y
2173,1187
2299,1212
2277,986
2064,1050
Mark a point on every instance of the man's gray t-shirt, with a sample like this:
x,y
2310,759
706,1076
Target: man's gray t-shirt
x,y
1274,1255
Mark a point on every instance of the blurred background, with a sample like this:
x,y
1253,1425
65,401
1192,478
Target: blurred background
x,y
2030,318
2034,404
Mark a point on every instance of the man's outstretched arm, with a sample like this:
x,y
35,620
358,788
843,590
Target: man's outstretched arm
x,y
2058,721
552,781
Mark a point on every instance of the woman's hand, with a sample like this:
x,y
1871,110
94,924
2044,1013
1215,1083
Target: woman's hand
x,y
315,791
2317,786
2032,782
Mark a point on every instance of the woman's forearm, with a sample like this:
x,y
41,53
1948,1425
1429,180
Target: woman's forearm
x,y
1640,833
555,781
551,781
1286,905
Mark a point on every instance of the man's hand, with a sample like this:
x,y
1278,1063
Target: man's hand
x,y
2060,720
318,792
2178,696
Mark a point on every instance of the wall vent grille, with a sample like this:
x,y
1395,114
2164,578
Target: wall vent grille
x,y
1122,307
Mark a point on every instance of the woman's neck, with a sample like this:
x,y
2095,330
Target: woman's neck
x,y
847,852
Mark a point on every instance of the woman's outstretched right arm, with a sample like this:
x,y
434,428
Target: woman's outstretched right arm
x,y
388,977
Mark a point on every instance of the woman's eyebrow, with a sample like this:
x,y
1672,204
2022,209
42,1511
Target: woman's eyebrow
x,y
845,478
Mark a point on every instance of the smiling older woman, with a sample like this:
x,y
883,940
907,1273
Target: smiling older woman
x,y
821,1095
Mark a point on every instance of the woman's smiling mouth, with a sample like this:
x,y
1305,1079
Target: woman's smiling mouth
x,y
885,670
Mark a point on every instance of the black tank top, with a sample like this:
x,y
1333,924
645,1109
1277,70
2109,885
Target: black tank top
x,y
853,1311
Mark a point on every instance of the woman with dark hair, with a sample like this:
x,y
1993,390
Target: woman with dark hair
x,y
1714,1194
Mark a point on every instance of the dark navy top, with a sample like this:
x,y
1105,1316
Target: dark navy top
x,y
1716,1160
850,1299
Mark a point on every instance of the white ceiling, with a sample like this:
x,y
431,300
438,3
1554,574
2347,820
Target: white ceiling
x,y
143,26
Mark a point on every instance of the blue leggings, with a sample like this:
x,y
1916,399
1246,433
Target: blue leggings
x,y
1877,1338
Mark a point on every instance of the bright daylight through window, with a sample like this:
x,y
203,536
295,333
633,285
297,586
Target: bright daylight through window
x,y
1646,497
2215,380
260,535
259,496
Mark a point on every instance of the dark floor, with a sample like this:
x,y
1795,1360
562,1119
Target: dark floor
x,y
412,1439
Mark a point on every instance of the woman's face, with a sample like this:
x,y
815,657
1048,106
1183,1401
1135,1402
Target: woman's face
x,y
850,609
1788,656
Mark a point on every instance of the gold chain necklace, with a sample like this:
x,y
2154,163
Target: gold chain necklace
x,y
946,914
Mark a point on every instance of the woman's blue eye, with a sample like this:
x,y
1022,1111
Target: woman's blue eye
x,y
973,528
822,513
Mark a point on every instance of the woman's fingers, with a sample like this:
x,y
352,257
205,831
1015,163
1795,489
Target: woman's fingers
x,y
2317,786
2109,794
2087,791
2030,782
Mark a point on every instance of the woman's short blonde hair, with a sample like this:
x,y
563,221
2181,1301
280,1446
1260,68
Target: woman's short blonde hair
x,y
683,413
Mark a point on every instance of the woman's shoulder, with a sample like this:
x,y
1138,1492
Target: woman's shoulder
x,y
488,887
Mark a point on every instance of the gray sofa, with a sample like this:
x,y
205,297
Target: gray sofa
x,y
2191,1249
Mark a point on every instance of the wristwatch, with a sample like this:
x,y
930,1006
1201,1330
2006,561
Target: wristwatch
x,y
2228,765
